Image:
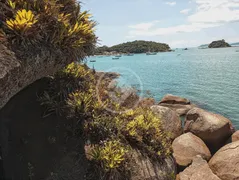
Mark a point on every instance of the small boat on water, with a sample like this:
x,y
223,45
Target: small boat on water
x,y
118,56
115,58
129,54
151,53
92,60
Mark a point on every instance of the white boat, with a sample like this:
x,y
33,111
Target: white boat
x,y
151,53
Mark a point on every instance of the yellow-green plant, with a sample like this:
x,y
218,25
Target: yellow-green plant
x,y
59,24
23,21
111,154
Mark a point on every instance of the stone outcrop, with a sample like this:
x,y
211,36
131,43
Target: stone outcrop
x,y
170,120
225,163
213,129
176,103
199,170
219,44
16,75
235,136
147,102
145,168
188,146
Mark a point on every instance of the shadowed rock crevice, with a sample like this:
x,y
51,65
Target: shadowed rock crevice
x,y
37,147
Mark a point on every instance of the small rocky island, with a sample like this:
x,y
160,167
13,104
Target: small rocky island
x,y
219,44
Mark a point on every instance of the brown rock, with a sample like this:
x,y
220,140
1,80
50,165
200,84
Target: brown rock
x,y
225,163
171,99
147,102
213,129
199,170
170,120
176,103
235,136
187,146
152,170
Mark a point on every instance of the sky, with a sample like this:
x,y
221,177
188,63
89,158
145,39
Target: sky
x,y
179,23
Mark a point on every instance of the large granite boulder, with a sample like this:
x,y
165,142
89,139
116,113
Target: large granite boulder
x,y
188,146
176,103
235,136
171,122
213,129
225,163
145,168
198,170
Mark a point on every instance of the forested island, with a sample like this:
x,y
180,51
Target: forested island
x,y
134,47
219,44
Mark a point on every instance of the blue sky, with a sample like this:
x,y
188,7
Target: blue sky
x,y
179,23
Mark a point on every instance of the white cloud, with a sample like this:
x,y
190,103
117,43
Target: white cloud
x,y
171,30
209,13
215,11
185,11
173,3
143,26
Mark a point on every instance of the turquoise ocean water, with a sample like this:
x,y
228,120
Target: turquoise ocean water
x,y
208,77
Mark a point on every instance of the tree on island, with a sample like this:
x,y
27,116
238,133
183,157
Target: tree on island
x,y
219,44
135,47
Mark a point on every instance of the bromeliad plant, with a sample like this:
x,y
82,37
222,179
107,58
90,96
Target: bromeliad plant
x,y
57,24
111,136
23,21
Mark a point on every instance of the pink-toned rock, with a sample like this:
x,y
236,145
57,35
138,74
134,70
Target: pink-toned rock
x,y
188,146
176,103
235,136
213,129
171,122
225,163
198,170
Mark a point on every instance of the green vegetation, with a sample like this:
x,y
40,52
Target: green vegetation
x,y
219,44
111,137
33,27
134,47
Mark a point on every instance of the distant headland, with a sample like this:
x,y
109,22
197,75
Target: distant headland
x,y
133,47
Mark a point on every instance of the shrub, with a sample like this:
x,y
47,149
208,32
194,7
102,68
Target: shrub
x,y
110,134
57,25
109,158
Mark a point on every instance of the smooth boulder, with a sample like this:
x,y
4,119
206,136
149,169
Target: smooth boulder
x,y
225,163
188,146
213,129
198,170
235,136
171,122
176,103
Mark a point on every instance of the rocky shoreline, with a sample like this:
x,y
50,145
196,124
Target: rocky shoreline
x,y
207,147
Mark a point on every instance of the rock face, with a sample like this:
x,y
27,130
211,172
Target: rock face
x,y
199,170
170,120
179,104
146,169
16,75
219,44
225,163
213,129
235,136
188,146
